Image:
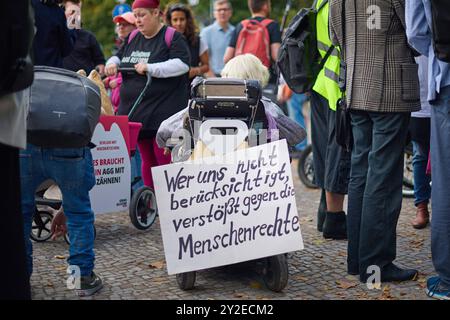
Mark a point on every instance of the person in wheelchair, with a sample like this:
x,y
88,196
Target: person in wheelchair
x,y
243,76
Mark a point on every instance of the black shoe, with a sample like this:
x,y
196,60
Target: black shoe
x,y
353,271
322,211
335,226
392,273
89,285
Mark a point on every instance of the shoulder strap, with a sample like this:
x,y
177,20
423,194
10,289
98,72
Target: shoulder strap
x,y
327,55
245,23
168,36
132,35
324,2
266,22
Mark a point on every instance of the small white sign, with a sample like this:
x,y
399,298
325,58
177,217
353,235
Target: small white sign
x,y
239,207
111,192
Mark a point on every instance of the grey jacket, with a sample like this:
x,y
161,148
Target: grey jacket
x,y
288,129
382,75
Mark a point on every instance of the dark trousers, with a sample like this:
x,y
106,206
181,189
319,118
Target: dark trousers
x,y
319,136
14,283
375,189
331,162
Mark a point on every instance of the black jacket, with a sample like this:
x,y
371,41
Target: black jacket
x,y
52,41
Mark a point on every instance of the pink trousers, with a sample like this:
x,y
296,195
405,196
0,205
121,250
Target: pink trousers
x,y
152,156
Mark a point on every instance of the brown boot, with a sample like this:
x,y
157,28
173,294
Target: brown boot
x,y
422,216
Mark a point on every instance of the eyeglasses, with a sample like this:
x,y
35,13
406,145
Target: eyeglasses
x,y
123,24
222,10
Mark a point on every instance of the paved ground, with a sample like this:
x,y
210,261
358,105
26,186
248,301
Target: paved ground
x,y
131,264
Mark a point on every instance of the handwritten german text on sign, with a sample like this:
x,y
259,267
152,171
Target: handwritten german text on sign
x,y
236,208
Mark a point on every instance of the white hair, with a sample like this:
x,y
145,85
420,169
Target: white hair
x,y
248,67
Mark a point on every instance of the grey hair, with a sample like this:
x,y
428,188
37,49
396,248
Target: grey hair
x,y
217,2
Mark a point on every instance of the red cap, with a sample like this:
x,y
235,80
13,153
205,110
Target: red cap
x,y
146,4
127,17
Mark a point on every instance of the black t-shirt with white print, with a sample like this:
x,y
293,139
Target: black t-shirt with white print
x,y
165,96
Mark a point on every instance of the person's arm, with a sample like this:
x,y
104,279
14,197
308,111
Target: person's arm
x,y
97,55
202,68
275,39
231,49
204,34
274,47
417,28
335,23
229,54
67,37
204,61
167,69
399,8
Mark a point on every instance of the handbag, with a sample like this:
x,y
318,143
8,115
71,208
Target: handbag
x,y
344,136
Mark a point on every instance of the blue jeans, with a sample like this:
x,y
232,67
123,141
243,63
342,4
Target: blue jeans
x,y
375,188
440,173
422,189
73,171
295,108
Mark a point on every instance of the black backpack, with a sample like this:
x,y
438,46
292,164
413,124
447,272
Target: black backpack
x,y
299,60
64,109
441,36
16,38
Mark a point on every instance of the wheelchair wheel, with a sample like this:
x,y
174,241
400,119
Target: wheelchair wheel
x,y
275,273
41,226
305,168
186,281
143,209
66,236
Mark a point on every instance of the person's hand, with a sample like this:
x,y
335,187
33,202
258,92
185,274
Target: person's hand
x,y
111,69
210,74
166,151
141,68
73,14
194,72
58,227
101,69
113,83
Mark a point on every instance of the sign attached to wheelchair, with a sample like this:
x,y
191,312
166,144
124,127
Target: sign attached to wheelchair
x,y
239,207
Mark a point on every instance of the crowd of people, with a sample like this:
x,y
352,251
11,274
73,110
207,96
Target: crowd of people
x,y
391,91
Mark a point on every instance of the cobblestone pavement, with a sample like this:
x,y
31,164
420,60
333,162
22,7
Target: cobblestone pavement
x,y
131,263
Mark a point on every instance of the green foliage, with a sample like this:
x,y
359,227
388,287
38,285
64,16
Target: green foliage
x,y
97,15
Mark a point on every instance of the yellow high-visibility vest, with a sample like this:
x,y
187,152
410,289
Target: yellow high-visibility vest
x,y
327,82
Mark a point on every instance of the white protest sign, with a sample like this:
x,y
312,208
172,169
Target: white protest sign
x,y
111,192
239,207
